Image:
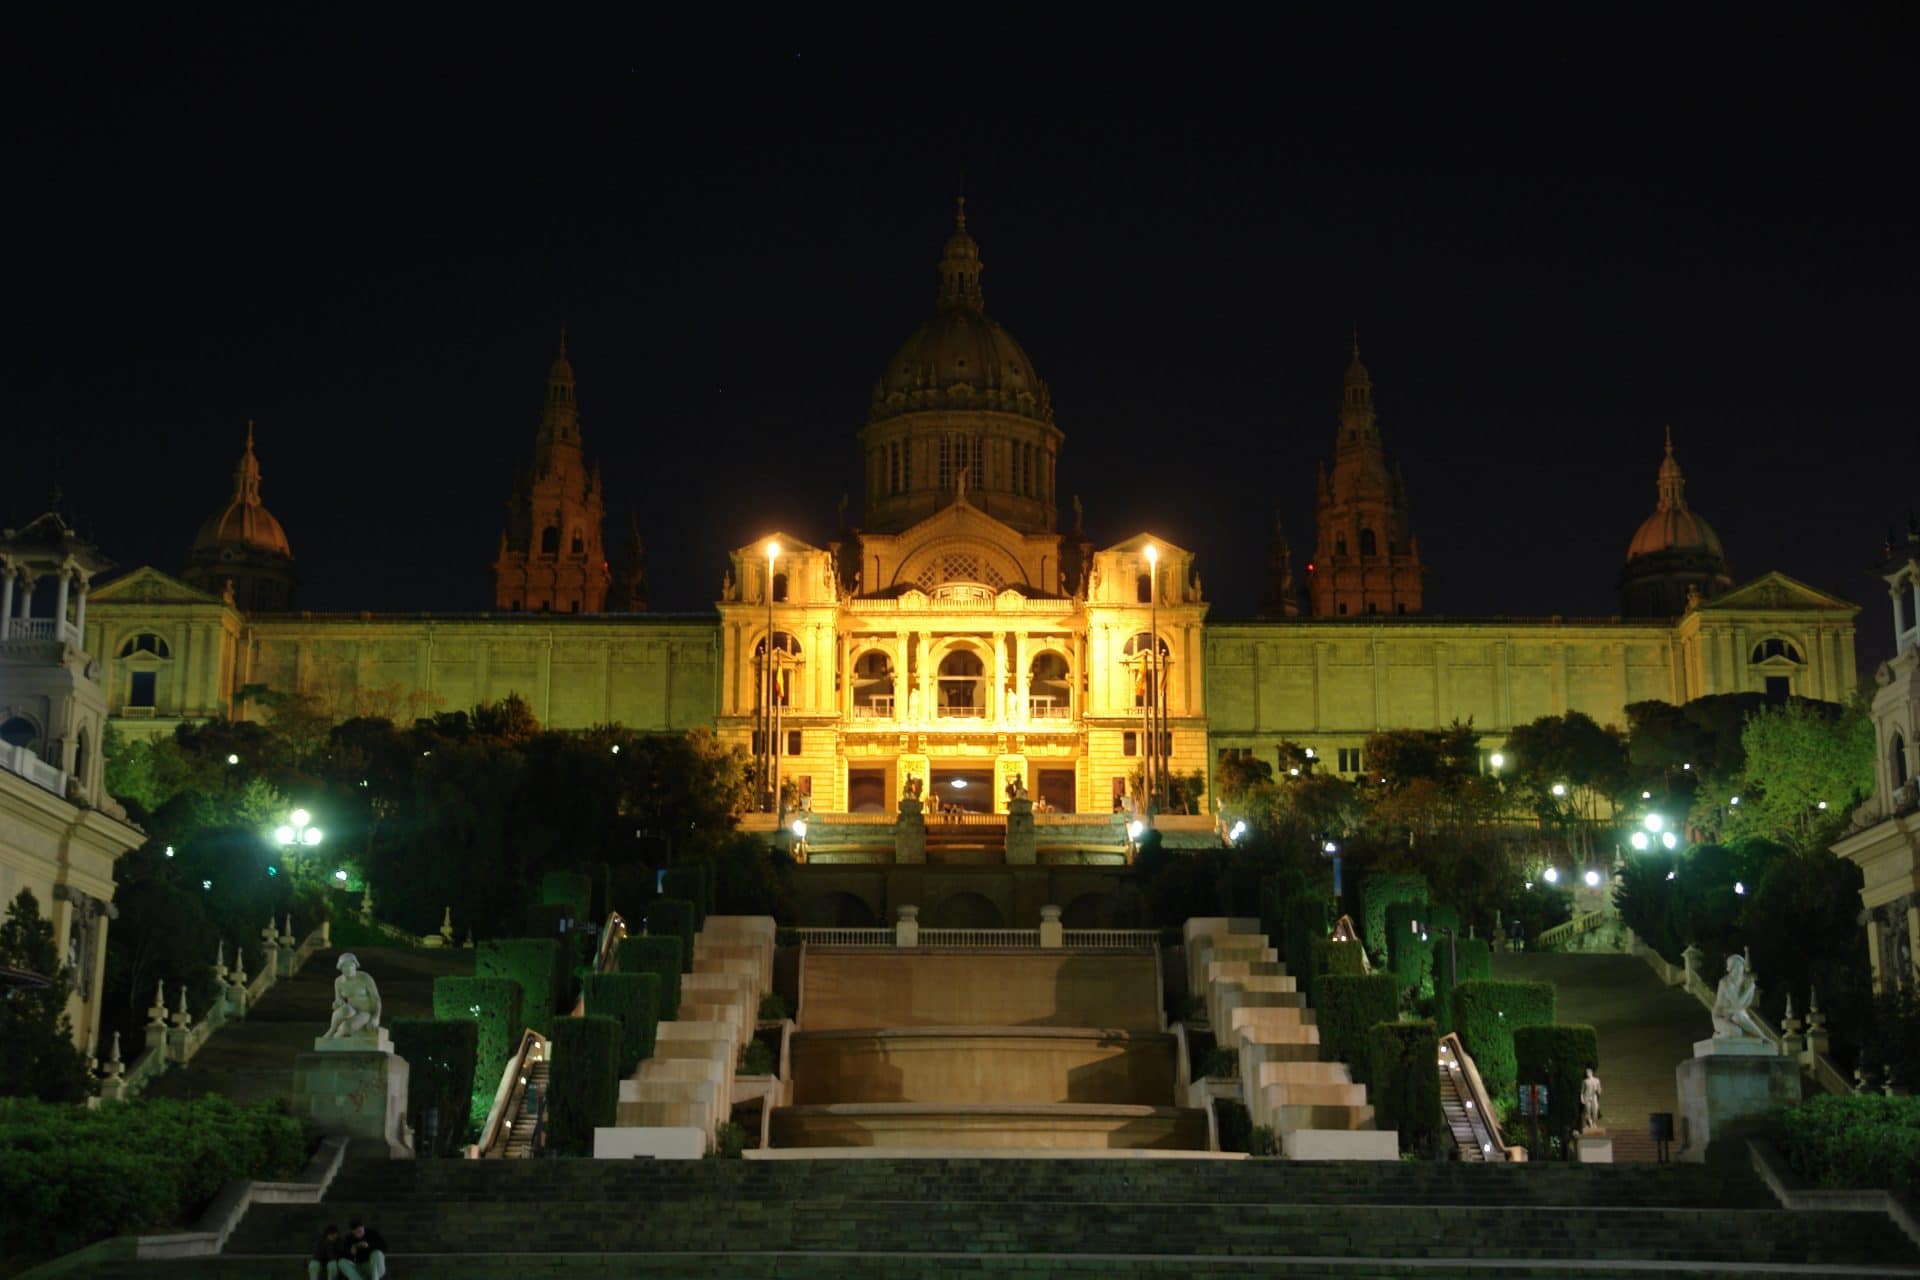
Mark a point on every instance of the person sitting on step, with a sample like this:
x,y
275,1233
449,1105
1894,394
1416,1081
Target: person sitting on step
x,y
366,1251
325,1262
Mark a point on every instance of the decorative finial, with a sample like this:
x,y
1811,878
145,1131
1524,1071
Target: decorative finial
x,y
960,214
1669,439
249,435
1356,340
563,340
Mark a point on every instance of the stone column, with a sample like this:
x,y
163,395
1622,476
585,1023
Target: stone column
x,y
997,693
1021,846
6,599
1020,709
80,613
60,599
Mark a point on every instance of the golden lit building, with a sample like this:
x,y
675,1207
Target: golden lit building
x,y
960,636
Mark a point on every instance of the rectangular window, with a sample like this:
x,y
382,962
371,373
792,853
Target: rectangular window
x,y
1129,743
793,742
140,691
1349,759
1778,688
946,463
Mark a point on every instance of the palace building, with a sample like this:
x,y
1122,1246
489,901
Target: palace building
x,y
960,636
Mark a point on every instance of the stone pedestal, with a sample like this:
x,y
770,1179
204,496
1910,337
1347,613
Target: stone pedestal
x,y
910,832
1052,933
1593,1146
1730,1078
1021,847
355,1086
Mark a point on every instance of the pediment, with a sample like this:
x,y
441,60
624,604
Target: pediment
x,y
1137,544
147,585
1777,591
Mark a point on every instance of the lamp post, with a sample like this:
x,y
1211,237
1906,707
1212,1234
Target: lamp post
x,y
1151,712
769,764
297,832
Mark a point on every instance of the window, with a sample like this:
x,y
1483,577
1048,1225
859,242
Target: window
x,y
579,543
140,689
19,732
899,471
1339,544
1349,760
961,688
145,642
946,463
1129,743
550,541
1372,607
1367,544
1776,648
1400,607
1897,759
793,742
1143,588
1027,470
1779,688
961,458
1049,687
787,659
1136,660
780,587
1342,608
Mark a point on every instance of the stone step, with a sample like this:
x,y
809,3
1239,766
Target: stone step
x,y
1309,1072
1314,1095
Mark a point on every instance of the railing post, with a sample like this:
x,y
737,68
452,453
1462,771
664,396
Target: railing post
x,y
906,930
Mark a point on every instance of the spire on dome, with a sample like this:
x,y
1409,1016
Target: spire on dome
x,y
560,418
960,266
1672,483
246,475
1356,401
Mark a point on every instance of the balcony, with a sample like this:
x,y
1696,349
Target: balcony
x,y
960,713
22,761
1043,707
878,707
40,629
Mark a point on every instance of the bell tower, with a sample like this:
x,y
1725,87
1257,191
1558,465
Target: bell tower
x,y
1365,557
551,556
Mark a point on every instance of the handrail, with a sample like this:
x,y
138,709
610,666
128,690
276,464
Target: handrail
x,y
980,937
1111,939
1486,1123
1584,923
533,1048
1071,939
608,953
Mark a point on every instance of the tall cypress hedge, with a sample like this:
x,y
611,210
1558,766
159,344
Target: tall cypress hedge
x,y
583,1085
632,999
1332,959
440,1055
534,963
1557,1056
1486,1013
1404,1082
648,953
1345,1009
493,1005
1377,893
1308,919
1276,891
1475,960
692,882
1409,947
674,918
572,889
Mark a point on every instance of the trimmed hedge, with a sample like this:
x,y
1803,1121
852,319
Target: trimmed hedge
x,y
72,1175
1276,891
1404,1084
1475,959
1377,893
569,888
1308,917
494,1006
1557,1056
632,1000
583,1085
1859,1141
1345,1009
649,953
537,965
674,918
1333,959
692,882
440,1056
1409,948
1486,1013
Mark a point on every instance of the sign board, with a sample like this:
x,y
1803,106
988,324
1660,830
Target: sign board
x,y
1533,1100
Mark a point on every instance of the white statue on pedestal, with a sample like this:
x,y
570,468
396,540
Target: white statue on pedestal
x,y
356,1001
1733,1002
1590,1102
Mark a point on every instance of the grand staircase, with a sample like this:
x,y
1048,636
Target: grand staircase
x,y
907,1218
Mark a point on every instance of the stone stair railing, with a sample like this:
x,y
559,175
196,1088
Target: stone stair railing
x,y
1312,1106
174,1035
509,1097
909,932
1561,934
1458,1066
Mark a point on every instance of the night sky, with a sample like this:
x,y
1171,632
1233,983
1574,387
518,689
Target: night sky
x,y
1554,239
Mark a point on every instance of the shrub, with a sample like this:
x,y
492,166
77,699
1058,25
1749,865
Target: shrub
x,y
1308,918
1475,960
729,1140
645,953
1556,1056
440,1056
494,1006
1486,1012
632,1000
1221,1063
756,1059
1345,1009
1858,1141
1404,1085
583,1087
1333,959
1377,893
673,918
1275,892
534,963
693,883
571,889
70,1175
1409,947
773,1007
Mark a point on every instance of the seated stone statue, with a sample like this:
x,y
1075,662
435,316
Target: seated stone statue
x,y
356,1000
1733,1002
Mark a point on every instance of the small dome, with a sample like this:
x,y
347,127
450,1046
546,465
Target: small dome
x,y
960,359
244,522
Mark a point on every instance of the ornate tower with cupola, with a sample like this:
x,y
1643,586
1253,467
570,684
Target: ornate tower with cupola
x,y
1365,557
243,545
551,557
960,410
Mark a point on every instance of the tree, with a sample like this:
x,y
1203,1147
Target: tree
x,y
37,1057
1806,766
1236,774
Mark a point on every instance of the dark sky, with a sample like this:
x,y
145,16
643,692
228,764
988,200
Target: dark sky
x,y
1557,230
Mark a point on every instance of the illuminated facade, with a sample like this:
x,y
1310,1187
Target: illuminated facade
x,y
961,635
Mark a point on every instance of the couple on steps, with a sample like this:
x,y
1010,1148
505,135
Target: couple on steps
x,y
361,1254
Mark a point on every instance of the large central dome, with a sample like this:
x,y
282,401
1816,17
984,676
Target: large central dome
x,y
960,410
